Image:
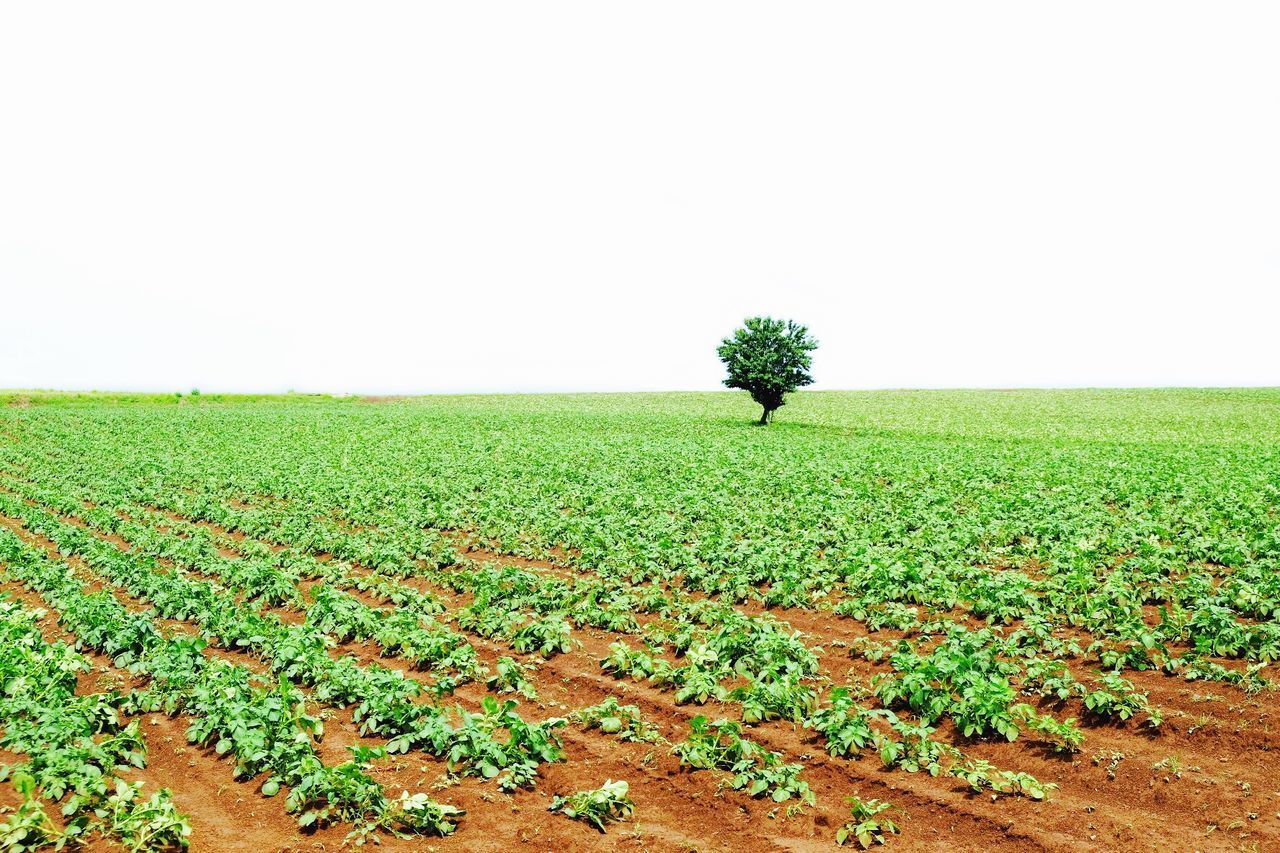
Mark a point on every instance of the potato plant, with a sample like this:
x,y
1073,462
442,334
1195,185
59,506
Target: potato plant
x,y
598,807
869,824
1004,570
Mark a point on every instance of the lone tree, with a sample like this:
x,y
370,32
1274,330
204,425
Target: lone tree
x,y
769,358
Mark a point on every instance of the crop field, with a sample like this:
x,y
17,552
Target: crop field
x,y
965,620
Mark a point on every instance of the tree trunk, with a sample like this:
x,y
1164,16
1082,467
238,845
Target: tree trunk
x,y
764,417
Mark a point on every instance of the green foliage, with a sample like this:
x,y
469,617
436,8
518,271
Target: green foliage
x,y
847,727
1063,736
30,827
991,545
417,814
512,677
265,728
780,697
868,826
981,775
769,359
598,807
1115,696
76,745
152,824
754,769
512,757
621,721
547,636
965,677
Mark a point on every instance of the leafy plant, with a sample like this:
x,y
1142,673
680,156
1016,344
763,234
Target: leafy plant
x,y
143,824
30,828
614,718
1063,736
512,677
753,768
868,826
597,807
769,359
847,727
1116,696
981,775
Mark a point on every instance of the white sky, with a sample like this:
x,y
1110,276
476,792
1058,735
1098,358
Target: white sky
x,y
482,196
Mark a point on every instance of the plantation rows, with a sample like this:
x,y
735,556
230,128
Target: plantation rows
x,y
433,579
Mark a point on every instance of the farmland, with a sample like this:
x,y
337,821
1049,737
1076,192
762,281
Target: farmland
x,y
987,620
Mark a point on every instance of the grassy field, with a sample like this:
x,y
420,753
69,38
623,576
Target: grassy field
x,y
1021,619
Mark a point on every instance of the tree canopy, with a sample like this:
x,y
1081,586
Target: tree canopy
x,y
768,358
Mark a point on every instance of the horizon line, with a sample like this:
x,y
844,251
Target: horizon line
x,y
563,392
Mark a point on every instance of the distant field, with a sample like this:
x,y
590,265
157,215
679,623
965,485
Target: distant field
x,y
1025,619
